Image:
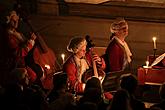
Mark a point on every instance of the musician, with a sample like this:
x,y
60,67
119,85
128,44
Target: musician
x,y
118,54
78,63
18,45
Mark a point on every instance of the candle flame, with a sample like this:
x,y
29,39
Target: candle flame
x,y
154,38
147,63
47,66
63,56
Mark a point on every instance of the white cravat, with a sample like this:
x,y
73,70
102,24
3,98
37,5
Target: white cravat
x,y
127,50
82,67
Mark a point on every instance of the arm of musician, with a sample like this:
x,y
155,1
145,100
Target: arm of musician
x,y
29,45
31,42
71,73
32,39
20,50
33,36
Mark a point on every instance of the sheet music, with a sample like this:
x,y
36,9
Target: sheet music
x,y
158,59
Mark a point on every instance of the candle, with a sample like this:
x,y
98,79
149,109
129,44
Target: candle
x,y
154,40
63,58
147,63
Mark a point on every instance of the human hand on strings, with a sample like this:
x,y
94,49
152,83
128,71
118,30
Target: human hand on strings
x,y
33,36
32,39
96,58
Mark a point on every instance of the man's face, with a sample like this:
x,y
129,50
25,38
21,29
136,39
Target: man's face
x,y
123,31
14,21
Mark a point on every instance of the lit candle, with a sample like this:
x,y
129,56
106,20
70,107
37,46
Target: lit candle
x,y
154,40
47,66
63,58
147,63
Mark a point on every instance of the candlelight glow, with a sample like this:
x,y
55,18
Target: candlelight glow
x,y
63,57
47,66
154,40
147,63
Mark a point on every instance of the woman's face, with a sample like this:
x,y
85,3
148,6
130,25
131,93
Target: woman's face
x,y
81,52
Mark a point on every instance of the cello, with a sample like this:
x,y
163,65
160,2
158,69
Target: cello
x,y
94,71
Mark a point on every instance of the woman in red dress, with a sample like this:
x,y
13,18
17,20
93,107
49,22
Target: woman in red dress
x,y
78,63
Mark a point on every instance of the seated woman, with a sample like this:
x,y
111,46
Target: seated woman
x,y
78,63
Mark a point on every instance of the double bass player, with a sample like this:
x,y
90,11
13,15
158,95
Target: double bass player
x,y
23,52
18,46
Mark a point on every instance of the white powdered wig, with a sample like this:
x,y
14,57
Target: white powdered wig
x,y
76,44
118,25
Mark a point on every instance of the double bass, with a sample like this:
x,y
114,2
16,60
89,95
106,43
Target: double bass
x,y
42,60
94,71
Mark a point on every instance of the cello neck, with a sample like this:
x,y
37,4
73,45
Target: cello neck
x,y
94,66
90,46
95,69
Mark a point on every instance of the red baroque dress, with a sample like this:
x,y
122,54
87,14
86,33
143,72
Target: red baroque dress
x,y
72,70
